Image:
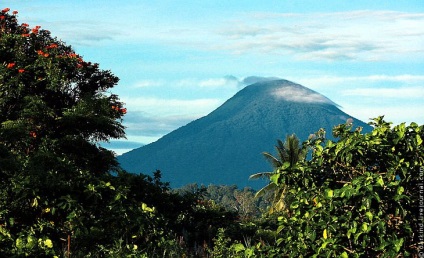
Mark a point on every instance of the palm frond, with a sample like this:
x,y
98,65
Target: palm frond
x,y
268,188
261,175
271,159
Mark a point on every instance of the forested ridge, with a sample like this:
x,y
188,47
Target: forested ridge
x,y
62,195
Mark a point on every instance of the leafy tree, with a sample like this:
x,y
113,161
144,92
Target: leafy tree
x,y
357,197
290,151
57,195
289,154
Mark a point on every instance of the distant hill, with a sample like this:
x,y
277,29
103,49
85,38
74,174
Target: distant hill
x,y
225,146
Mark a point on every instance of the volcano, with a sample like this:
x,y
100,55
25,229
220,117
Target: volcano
x,y
225,147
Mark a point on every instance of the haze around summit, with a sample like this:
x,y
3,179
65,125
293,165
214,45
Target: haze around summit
x,y
179,60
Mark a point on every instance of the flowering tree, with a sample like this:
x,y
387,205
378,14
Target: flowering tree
x,y
48,92
54,109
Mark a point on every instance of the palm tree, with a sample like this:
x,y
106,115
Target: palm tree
x,y
290,151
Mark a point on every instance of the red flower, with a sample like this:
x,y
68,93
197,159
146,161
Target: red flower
x,y
35,30
25,35
25,24
2,17
33,134
52,45
41,53
21,70
5,10
10,65
15,12
123,110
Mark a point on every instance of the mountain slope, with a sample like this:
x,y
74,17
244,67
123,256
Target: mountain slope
x,y
225,146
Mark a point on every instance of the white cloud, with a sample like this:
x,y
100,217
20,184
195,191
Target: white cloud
x,y
164,106
148,83
299,95
413,92
356,35
326,81
396,113
363,35
148,119
142,124
215,83
228,82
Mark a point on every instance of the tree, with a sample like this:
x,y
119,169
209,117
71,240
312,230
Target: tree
x,y
290,151
356,197
289,154
56,190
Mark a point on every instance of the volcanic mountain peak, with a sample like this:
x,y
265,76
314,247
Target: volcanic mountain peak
x,y
225,146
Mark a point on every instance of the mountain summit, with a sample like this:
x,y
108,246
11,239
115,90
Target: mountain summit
x,y
225,146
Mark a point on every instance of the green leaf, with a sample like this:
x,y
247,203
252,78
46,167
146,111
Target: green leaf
x,y
400,190
31,242
275,177
324,234
380,181
398,244
19,243
364,227
357,236
330,193
294,205
344,255
238,247
369,215
419,140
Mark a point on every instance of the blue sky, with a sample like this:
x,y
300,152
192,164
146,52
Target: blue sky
x,y
179,60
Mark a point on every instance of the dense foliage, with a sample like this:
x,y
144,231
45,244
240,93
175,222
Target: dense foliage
x,y
231,198
63,195
55,183
357,197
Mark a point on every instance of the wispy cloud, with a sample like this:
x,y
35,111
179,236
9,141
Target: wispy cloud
x,y
164,106
142,124
82,32
407,113
148,83
364,35
331,81
409,93
227,82
299,95
356,35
